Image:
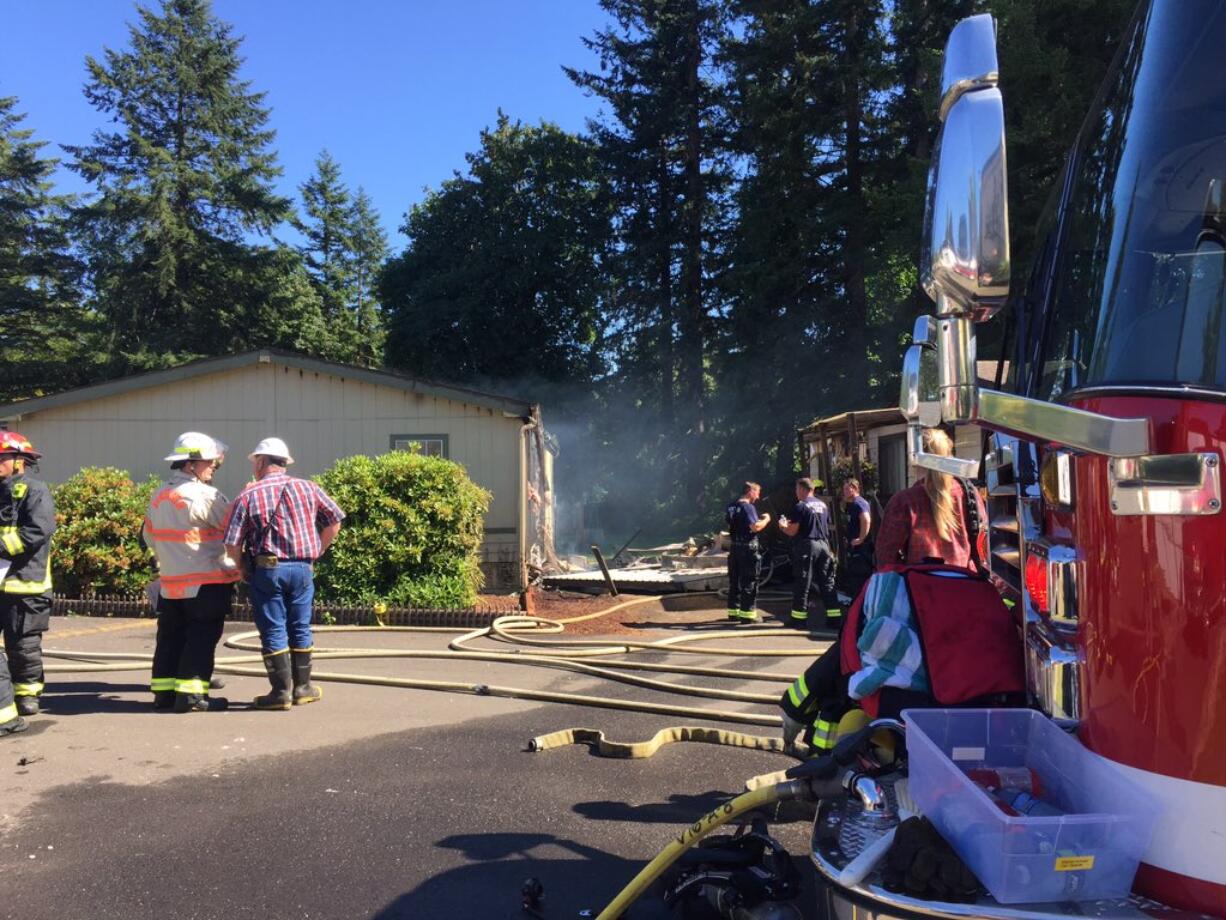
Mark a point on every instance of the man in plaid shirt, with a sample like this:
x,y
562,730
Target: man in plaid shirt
x,y
278,527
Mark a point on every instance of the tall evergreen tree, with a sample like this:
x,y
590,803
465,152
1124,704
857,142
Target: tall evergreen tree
x,y
664,147
184,183
45,337
369,248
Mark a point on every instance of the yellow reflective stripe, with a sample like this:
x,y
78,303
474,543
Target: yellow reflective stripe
x,y
20,489
33,689
194,686
800,614
8,713
12,541
13,586
802,686
833,612
159,684
284,651
793,697
309,648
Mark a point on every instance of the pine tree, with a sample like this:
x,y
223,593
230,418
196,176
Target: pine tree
x,y
45,337
184,184
664,149
369,248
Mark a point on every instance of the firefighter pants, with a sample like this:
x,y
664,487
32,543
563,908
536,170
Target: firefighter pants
x,y
25,617
744,570
188,631
818,699
858,570
812,562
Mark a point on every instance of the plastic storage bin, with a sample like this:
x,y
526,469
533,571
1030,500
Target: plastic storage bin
x,y
1090,852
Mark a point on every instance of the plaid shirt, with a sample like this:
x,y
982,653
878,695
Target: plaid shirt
x,y
909,531
299,516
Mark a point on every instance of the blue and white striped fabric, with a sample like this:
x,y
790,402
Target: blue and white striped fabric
x,y
890,654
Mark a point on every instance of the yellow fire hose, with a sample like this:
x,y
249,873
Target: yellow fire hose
x,y
565,655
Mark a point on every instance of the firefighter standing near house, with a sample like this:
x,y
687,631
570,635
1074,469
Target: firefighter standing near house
x,y
184,528
279,526
744,556
27,521
811,555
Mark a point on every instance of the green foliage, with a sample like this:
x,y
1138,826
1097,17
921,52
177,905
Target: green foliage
x,y
502,277
344,250
412,533
97,547
842,470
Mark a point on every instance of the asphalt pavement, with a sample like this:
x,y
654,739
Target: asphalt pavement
x,y
375,803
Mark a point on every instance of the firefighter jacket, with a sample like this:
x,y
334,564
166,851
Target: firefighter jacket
x,y
184,526
27,521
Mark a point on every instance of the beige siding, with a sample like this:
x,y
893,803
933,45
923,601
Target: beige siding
x,y
321,416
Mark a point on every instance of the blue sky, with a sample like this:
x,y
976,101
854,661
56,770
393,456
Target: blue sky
x,y
396,90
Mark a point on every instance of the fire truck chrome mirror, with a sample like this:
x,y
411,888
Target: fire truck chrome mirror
x,y
925,332
919,391
965,260
970,60
1171,484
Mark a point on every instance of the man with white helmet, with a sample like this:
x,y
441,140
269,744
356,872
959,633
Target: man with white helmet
x,y
279,526
185,527
27,521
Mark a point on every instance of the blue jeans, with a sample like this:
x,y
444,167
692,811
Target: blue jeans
x,y
281,604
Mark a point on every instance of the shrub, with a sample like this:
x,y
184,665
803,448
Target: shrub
x,y
843,471
412,533
97,547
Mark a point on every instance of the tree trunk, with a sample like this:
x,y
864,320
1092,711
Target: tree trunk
x,y
855,249
692,350
664,284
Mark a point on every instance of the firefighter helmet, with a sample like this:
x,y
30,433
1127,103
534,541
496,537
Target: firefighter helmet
x,y
192,445
14,444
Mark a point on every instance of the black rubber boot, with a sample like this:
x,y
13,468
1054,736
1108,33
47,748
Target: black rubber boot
x,y
304,691
27,705
278,667
190,702
13,726
163,699
216,683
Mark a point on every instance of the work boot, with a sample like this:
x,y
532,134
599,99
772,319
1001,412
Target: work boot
x,y
733,613
304,691
192,702
27,705
278,667
13,726
748,616
163,699
216,683
799,619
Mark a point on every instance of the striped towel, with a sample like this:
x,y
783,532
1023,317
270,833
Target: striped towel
x,y
890,654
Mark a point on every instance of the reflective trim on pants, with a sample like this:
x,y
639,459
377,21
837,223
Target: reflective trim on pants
x,y
29,689
800,614
833,613
192,686
823,735
161,684
8,713
14,586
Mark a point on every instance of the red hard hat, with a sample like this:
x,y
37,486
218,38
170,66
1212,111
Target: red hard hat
x,y
13,443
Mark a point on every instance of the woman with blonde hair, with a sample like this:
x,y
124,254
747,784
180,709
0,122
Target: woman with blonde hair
x,y
928,520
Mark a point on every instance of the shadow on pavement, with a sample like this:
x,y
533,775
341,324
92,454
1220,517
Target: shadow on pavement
x,y
83,697
575,877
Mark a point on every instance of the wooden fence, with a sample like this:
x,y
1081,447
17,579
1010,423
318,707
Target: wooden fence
x,y
324,613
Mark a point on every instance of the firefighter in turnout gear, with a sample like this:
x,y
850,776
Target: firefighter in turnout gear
x,y
184,526
27,521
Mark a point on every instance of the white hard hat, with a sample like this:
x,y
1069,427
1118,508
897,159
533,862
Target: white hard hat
x,y
192,445
271,447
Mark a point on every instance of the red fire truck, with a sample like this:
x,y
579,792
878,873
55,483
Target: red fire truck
x,y
1109,429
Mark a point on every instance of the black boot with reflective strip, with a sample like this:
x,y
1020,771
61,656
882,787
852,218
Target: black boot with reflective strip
x,y
27,705
278,666
192,695
304,691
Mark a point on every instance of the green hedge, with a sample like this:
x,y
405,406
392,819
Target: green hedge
x,y
412,533
97,548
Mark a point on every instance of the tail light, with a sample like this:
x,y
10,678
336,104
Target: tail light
x,y
1053,578
1036,580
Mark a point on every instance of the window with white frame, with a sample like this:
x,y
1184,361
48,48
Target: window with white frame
x,y
431,445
